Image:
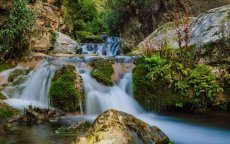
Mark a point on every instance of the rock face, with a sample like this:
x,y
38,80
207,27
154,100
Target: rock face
x,y
141,22
210,26
114,127
64,44
48,20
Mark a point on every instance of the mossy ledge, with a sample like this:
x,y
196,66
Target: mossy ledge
x,y
102,71
7,111
63,94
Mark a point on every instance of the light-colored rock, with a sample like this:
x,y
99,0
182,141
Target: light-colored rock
x,y
208,27
48,19
64,44
114,127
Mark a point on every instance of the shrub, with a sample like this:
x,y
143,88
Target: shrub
x,y
204,85
158,69
15,34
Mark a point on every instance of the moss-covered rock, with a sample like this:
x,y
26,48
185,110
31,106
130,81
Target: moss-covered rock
x,y
2,96
7,111
17,73
102,71
5,66
77,128
118,127
63,92
86,37
154,95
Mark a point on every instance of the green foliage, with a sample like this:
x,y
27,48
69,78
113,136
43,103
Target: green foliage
x,y
158,69
63,94
204,82
15,34
102,71
85,37
119,10
204,85
84,15
53,37
5,66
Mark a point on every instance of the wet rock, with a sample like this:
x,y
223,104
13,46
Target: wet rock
x,y
36,115
77,128
64,44
121,128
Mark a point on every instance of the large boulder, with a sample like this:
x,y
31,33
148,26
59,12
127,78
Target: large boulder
x,y
208,27
114,127
48,19
64,44
139,22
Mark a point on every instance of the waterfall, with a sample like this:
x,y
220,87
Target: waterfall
x,y
35,89
109,48
100,98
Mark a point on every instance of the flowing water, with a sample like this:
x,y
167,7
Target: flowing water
x,y
100,98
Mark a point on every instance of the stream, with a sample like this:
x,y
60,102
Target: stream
x,y
187,129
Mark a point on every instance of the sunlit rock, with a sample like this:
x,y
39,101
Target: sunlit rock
x,y
114,127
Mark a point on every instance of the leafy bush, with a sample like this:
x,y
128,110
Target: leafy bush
x,y
158,69
15,34
204,85
83,16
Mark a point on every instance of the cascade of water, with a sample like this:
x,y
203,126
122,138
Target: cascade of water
x,y
100,98
126,83
109,48
38,85
35,89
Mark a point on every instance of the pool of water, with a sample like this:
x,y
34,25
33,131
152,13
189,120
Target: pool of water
x,y
182,128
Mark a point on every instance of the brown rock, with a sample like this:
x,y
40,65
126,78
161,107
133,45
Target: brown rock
x,y
114,127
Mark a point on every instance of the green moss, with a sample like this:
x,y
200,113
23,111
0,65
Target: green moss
x,y
17,73
86,37
5,66
2,96
6,111
102,71
153,94
63,94
53,37
204,85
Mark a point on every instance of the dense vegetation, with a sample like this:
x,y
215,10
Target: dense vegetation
x,y
15,34
84,18
175,81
